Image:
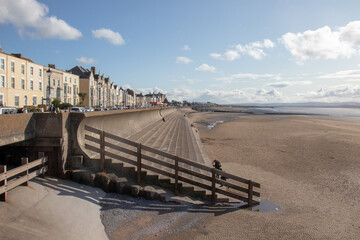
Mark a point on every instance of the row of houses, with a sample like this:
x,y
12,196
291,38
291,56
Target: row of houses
x,y
26,83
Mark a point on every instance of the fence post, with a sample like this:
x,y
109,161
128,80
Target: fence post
x,y
102,151
176,175
213,187
139,163
25,161
42,155
250,194
4,195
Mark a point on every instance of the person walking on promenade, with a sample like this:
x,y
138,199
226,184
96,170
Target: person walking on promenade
x,y
217,165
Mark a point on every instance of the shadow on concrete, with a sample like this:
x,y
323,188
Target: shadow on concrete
x,y
118,201
72,189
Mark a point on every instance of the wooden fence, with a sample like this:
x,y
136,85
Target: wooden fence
x,y
179,169
21,175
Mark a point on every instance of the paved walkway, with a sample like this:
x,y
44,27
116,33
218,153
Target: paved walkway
x,y
52,208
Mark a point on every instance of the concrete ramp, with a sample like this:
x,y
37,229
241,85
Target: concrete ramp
x,y
123,123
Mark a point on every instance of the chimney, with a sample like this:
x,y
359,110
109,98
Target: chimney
x,y
18,55
51,65
93,69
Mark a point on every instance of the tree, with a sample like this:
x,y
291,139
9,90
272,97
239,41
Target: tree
x,y
82,97
56,102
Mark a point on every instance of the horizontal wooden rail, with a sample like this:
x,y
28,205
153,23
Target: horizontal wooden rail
x,y
21,175
179,173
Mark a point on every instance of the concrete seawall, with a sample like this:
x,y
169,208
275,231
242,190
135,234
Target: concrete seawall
x,y
60,136
120,123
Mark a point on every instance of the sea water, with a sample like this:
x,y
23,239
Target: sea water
x,y
336,112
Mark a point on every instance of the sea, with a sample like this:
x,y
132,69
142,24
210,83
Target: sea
x,y
335,112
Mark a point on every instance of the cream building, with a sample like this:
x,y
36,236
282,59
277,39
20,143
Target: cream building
x,y
60,84
21,81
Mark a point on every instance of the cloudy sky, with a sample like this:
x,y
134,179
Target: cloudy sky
x,y
229,51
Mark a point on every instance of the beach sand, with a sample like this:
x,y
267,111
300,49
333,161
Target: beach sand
x,y
307,165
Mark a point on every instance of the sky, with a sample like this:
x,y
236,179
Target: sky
x,y
222,51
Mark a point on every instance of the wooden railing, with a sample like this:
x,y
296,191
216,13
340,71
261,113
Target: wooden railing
x,y
177,168
25,171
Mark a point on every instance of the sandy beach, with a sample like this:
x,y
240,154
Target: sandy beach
x,y
307,165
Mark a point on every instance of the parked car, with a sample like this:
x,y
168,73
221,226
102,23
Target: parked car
x,y
89,109
77,109
7,110
98,109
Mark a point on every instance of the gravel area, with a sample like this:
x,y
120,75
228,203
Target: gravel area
x,y
125,217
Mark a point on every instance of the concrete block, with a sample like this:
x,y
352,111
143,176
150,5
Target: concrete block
x,y
75,162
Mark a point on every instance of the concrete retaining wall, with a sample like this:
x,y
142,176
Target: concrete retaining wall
x,y
121,123
16,128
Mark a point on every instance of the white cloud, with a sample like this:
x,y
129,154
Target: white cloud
x,y
287,84
224,97
234,77
186,48
347,74
340,93
272,93
185,79
85,60
351,33
111,36
205,68
184,60
30,18
253,49
323,43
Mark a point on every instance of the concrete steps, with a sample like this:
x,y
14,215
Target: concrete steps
x,y
174,136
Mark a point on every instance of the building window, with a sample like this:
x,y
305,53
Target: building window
x,y
75,80
12,66
22,83
25,100
40,86
31,70
53,82
2,64
34,101
49,81
16,101
70,79
58,92
65,78
65,89
2,81
40,72
12,82
31,84
69,90
22,68
1,100
58,83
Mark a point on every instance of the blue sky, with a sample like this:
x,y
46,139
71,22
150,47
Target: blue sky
x,y
220,51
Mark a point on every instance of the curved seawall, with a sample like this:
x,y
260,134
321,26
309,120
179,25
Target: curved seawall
x,y
123,123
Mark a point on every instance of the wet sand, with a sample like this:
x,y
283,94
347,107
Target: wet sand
x,y
307,165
